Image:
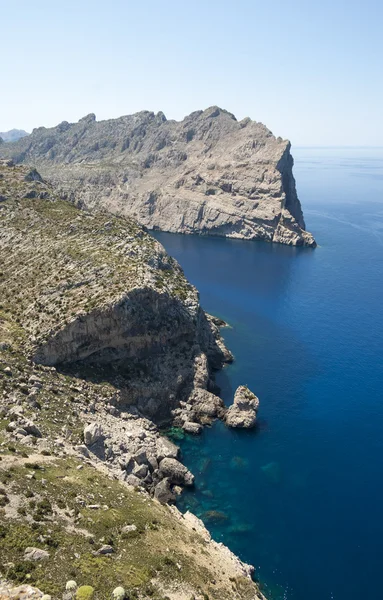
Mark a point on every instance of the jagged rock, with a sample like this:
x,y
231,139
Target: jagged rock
x,y
31,428
141,457
205,404
163,492
140,471
92,433
35,554
176,472
206,174
191,427
126,462
166,449
153,463
243,411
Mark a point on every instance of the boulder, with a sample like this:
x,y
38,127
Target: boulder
x,y
129,529
35,554
92,433
163,492
243,411
141,457
31,428
140,471
166,449
176,472
190,427
105,549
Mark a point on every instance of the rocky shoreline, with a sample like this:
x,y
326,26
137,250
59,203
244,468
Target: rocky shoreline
x,y
95,316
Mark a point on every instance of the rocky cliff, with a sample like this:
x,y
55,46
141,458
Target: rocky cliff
x,y
208,174
101,338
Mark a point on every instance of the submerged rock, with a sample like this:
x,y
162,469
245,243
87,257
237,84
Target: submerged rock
x,y
272,471
214,516
243,411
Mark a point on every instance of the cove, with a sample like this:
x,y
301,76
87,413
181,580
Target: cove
x,y
301,496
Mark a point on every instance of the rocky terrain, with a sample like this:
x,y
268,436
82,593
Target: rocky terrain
x,y
102,339
208,174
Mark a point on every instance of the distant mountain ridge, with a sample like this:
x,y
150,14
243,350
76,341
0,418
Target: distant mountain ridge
x,y
207,174
13,135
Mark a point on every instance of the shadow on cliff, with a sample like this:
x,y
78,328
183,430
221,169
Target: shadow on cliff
x,y
177,357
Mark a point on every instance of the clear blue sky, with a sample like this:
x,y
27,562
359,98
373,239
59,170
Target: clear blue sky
x,y
311,71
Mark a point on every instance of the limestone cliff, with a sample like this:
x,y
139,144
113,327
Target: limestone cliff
x,y
208,174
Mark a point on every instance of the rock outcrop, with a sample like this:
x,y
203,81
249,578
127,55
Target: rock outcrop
x,y
208,174
243,411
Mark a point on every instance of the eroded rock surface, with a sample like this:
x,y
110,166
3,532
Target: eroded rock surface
x,y
208,174
243,411
97,295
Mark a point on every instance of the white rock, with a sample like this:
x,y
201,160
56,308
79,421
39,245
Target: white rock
x,y
243,411
92,433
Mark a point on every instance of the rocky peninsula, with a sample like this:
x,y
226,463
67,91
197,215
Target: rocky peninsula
x,y
94,318
208,174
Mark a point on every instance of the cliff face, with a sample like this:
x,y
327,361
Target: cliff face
x,y
208,174
97,294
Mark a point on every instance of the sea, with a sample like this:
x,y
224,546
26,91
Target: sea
x,y
300,497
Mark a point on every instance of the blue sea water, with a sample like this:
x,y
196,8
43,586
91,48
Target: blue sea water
x,y
301,497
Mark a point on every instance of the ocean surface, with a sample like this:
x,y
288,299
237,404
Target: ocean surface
x,y
301,497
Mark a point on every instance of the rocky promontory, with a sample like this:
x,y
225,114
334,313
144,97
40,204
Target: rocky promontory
x,y
208,174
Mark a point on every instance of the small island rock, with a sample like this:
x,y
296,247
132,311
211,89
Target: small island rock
x,y
243,411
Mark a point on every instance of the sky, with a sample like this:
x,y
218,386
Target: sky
x,y
311,71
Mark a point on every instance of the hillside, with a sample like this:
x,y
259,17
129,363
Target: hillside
x,y
94,317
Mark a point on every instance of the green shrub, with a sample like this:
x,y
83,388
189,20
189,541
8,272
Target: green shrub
x,y
85,592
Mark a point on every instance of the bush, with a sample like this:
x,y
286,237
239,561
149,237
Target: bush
x,y
85,592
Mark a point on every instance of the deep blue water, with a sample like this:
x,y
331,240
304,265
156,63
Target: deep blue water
x,y
302,495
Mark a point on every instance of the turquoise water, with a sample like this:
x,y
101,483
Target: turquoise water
x,y
301,497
